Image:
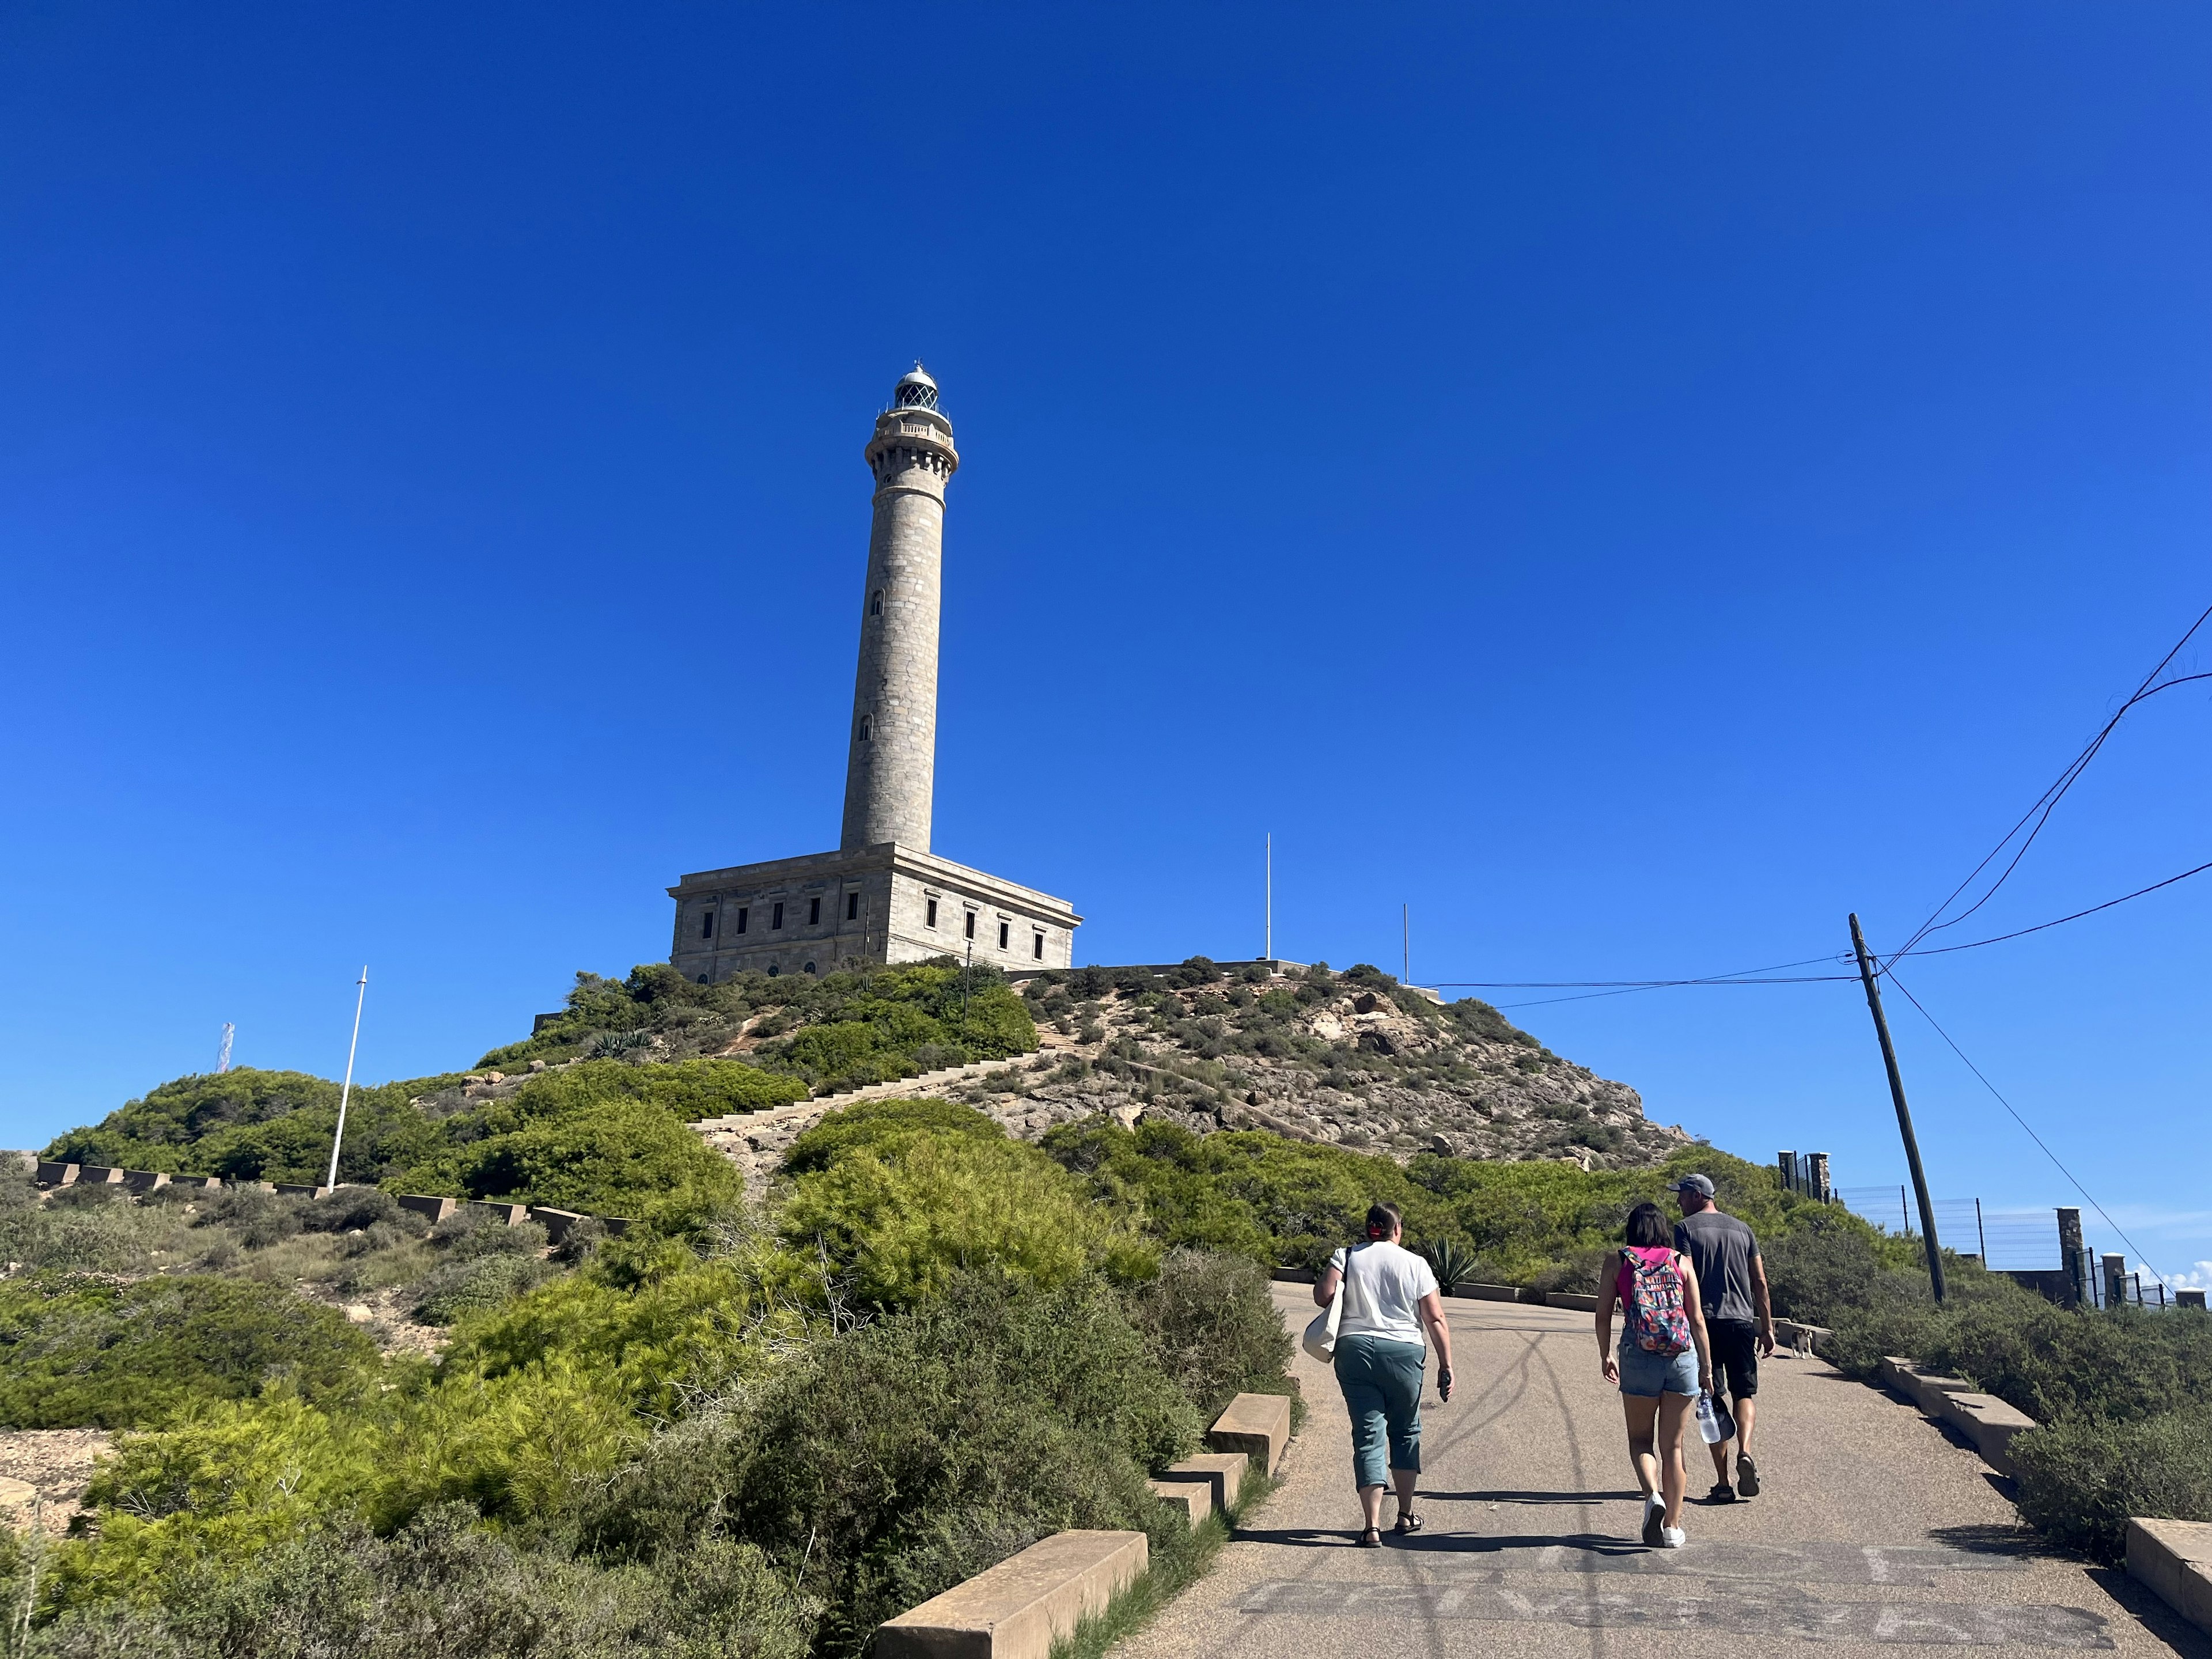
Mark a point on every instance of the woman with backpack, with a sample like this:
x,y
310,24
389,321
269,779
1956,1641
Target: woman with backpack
x,y
1664,1365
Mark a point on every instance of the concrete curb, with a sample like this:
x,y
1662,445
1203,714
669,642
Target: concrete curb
x,y
2174,1559
1985,1422
1019,1608
1256,1425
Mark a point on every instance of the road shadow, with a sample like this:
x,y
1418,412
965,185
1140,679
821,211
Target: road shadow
x,y
2153,1613
2013,1540
1529,1497
1436,1541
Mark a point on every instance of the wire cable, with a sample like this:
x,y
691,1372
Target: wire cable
x,y
2047,803
2070,1175
1945,950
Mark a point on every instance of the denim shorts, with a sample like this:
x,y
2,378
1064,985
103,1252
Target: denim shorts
x,y
1648,1376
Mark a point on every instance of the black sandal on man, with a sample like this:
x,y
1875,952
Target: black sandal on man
x,y
1746,1476
1409,1522
1371,1538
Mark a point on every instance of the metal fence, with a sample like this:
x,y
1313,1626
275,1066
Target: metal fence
x,y
2050,1251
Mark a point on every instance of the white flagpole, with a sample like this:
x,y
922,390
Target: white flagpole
x,y
346,1093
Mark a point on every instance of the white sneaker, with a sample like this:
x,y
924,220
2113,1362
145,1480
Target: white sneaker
x,y
1671,1538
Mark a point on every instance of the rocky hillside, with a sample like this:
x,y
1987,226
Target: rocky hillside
x,y
1352,1059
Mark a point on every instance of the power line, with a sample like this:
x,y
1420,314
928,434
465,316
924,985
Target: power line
x,y
2017,1118
2047,803
1945,950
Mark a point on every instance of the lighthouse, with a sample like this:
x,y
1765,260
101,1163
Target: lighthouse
x,y
884,895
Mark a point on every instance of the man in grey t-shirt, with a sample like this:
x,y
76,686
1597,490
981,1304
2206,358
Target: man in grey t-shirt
x,y
1739,1322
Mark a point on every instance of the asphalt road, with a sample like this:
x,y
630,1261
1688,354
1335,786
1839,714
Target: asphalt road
x,y
1873,1531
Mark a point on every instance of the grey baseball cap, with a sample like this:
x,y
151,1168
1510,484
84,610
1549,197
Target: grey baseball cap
x,y
1701,1185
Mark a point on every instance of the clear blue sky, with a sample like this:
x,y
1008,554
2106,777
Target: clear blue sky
x,y
1635,485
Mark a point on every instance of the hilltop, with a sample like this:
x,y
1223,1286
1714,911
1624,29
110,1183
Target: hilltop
x,y
1352,1059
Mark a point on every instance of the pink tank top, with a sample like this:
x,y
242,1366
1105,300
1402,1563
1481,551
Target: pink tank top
x,y
1652,1256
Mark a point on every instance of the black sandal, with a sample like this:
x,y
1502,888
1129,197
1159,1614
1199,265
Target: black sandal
x,y
1371,1538
1408,1521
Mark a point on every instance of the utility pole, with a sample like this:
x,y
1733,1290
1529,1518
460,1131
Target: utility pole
x,y
1269,953
346,1093
1904,1112
1406,922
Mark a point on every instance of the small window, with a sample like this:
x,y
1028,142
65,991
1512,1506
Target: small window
x,y
743,914
852,907
775,917
813,920
867,727
971,924
812,969
1036,946
706,926
772,970
876,602
1002,935
931,921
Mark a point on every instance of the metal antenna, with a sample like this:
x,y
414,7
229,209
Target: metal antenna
x,y
1269,953
222,1054
346,1093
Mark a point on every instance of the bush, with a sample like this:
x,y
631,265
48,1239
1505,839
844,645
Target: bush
x,y
348,1208
447,1588
1209,1321
78,1353
917,1451
456,1290
2080,1480
909,1198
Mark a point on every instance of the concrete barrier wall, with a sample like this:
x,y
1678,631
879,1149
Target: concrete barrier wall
x,y
1019,1608
2174,1559
50,1174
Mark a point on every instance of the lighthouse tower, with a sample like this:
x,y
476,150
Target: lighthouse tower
x,y
891,772
883,895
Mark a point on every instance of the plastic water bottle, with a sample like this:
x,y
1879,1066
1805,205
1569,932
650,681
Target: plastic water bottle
x,y
1708,1422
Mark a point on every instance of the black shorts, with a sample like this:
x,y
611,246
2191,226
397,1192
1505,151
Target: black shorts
x,y
1734,1344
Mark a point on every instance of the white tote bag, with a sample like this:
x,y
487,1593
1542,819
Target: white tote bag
x,y
1320,1339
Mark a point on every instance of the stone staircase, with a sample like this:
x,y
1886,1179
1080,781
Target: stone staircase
x,y
754,1141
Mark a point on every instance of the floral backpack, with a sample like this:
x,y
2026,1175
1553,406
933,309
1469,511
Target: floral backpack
x,y
1653,1305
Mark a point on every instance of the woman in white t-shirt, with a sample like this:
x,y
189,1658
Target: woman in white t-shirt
x,y
1391,1299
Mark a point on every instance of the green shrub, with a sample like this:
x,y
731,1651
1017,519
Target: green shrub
x,y
1209,1321
912,1194
688,1090
457,1290
252,1125
447,1588
603,1137
78,1353
912,1452
2080,1480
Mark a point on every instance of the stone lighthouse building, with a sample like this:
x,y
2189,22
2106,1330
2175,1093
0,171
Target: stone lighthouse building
x,y
883,895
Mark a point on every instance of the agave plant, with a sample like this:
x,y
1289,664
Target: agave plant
x,y
1448,1259
613,1045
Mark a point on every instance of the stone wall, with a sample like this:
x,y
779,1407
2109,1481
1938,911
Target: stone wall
x,y
888,891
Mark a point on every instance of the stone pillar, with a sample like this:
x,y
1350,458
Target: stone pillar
x,y
1821,1188
2116,1280
891,761
2188,1298
1787,1163
2073,1257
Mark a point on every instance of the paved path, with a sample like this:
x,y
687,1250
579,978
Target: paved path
x,y
1873,1532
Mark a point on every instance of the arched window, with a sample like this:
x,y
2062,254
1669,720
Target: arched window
x,y
867,726
876,603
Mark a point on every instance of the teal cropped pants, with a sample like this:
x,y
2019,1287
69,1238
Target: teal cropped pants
x,y
1381,1384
